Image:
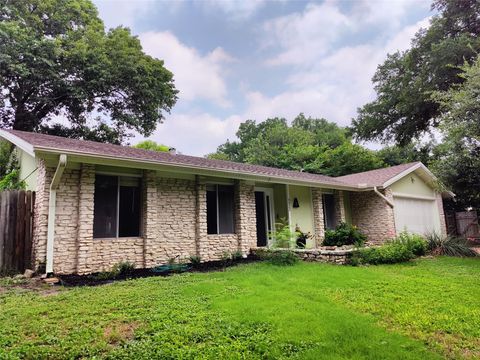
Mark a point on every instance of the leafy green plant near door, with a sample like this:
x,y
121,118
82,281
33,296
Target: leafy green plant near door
x,y
344,234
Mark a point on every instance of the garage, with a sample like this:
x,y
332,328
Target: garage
x,y
416,215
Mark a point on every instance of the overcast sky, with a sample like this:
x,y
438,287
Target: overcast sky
x,y
239,60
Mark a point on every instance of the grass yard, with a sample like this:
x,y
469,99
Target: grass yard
x,y
426,309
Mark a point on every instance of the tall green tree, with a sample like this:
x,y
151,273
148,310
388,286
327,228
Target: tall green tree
x,y
404,108
151,145
308,144
56,59
414,151
458,163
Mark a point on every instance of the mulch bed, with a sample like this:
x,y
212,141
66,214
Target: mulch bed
x,y
95,279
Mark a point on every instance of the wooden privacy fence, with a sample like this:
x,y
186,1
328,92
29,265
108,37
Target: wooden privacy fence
x,y
467,224
16,230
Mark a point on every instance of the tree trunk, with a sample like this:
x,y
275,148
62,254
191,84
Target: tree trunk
x,y
24,120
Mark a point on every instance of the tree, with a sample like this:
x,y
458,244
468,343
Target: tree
x,y
396,155
458,163
151,145
313,145
345,159
404,108
57,60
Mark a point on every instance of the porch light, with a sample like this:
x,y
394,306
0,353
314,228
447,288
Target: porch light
x,y
295,203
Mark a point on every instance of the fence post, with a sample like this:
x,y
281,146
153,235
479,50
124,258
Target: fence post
x,y
3,224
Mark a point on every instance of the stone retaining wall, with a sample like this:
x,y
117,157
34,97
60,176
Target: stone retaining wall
x,y
338,256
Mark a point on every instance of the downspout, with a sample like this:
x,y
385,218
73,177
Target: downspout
x,y
387,200
52,202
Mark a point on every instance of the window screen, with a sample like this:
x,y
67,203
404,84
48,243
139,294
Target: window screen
x,y
329,211
129,210
105,206
117,207
220,209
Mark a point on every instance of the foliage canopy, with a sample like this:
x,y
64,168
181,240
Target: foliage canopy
x,y
57,61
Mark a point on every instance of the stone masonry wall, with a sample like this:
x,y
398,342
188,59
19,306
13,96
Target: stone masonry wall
x,y
66,223
39,248
213,246
441,211
372,215
245,214
175,236
318,217
173,224
339,206
87,259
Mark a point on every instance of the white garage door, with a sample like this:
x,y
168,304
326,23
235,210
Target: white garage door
x,y
416,215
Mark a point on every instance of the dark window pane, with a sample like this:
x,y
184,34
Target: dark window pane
x,y
105,206
329,211
211,212
226,210
129,211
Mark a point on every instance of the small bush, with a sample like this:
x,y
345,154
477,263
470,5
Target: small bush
x,y
438,244
237,255
121,270
195,261
344,234
416,243
284,238
283,258
390,253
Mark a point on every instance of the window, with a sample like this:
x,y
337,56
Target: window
x,y
116,210
329,211
220,209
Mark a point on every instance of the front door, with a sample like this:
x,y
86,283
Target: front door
x,y
264,215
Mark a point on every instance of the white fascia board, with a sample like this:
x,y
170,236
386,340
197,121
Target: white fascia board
x,y
156,165
408,171
22,144
411,169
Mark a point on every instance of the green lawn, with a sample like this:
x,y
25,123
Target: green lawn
x,y
427,309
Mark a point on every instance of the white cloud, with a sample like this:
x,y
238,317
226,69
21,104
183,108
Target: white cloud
x,y
303,37
330,84
235,9
385,13
123,12
333,89
195,133
196,76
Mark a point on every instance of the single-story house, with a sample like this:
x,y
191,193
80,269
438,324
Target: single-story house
x,y
98,204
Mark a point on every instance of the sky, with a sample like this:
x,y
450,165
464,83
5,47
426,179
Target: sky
x,y
239,60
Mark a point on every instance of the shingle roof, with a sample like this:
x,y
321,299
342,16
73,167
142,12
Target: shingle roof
x,y
61,144
376,177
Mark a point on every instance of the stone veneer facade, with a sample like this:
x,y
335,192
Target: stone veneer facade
x,y
173,226
372,215
174,222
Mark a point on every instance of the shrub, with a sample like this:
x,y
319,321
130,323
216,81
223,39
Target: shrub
x,y
283,258
344,234
237,255
284,237
195,261
416,243
390,253
438,244
121,270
